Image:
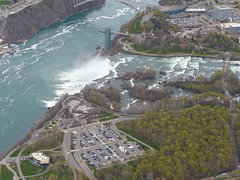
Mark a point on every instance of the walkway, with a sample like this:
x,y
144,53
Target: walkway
x,y
232,105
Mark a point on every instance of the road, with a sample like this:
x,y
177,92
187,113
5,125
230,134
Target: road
x,y
79,165
19,163
76,160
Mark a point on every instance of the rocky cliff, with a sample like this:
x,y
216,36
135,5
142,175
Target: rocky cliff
x,y
27,22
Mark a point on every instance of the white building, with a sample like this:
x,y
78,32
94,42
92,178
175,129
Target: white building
x,y
40,158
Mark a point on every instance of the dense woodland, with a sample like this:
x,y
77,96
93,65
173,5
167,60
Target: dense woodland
x,y
104,96
206,98
205,84
237,132
140,74
143,93
194,142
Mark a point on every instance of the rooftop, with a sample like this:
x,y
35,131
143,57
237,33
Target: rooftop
x,y
43,159
196,10
222,7
230,25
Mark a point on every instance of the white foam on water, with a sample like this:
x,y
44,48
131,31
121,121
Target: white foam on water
x,y
131,82
155,85
135,100
172,62
183,62
123,92
195,63
76,79
117,63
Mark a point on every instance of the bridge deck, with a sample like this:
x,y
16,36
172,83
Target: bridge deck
x,y
138,3
120,33
157,7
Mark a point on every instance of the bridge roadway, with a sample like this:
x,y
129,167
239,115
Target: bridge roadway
x,y
226,63
119,33
137,3
80,2
155,7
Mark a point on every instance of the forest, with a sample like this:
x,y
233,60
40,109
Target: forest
x,y
140,74
206,98
208,84
237,132
143,93
193,142
104,96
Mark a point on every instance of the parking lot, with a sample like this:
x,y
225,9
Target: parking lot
x,y
236,18
100,146
185,21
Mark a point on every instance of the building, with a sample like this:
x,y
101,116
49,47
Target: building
x,y
40,158
231,27
195,10
221,13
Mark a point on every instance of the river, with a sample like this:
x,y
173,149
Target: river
x,y
51,63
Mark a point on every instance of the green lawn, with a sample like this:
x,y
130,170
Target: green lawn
x,y
30,169
105,114
15,168
71,145
108,118
5,3
136,27
5,173
15,153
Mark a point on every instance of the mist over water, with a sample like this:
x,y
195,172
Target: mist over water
x,y
51,63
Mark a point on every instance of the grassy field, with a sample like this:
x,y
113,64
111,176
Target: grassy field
x,y
5,3
15,153
108,118
71,145
15,168
105,114
5,173
30,169
59,170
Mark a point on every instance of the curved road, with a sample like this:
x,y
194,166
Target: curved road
x,y
76,159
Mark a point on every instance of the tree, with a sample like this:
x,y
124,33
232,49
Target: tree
x,y
53,177
175,28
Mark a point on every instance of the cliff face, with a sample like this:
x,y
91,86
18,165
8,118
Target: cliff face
x,y
26,23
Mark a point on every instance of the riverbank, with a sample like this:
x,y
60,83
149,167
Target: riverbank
x,y
30,18
117,47
49,115
152,34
